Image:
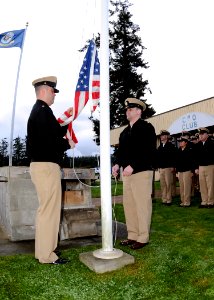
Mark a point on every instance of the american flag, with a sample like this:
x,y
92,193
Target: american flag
x,y
88,87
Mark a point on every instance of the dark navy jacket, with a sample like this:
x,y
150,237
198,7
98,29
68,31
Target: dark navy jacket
x,y
45,142
166,155
205,153
137,147
185,160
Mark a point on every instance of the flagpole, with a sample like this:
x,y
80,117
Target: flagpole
x,y
14,102
107,251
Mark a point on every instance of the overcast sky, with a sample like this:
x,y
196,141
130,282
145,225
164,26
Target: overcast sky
x,y
178,35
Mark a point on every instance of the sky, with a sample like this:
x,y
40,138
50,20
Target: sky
x,y
177,35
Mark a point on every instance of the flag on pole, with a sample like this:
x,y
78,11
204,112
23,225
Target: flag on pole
x,y
12,38
88,87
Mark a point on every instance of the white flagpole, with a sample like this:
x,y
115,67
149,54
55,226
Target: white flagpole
x,y
107,251
14,102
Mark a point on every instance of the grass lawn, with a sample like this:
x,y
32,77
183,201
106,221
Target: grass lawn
x,y
116,188
178,264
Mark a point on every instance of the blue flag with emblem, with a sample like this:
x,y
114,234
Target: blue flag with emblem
x,y
10,39
13,38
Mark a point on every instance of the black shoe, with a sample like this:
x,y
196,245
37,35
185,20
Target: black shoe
x,y
210,205
127,242
168,203
138,245
60,261
57,252
203,206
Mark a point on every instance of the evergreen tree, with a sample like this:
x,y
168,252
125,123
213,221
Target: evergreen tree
x,y
126,64
19,151
3,152
25,158
66,162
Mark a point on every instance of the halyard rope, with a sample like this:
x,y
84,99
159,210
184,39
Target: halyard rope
x,y
114,199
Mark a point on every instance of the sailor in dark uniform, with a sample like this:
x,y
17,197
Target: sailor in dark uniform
x,y
205,162
185,168
136,157
45,147
166,160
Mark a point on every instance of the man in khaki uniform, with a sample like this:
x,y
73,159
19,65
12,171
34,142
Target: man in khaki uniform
x,y
205,162
136,156
185,167
166,159
45,147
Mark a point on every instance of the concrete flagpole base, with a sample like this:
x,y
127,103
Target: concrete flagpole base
x,y
103,265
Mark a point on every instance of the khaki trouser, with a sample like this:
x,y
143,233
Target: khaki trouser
x,y
174,181
46,177
166,183
185,182
137,202
206,182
